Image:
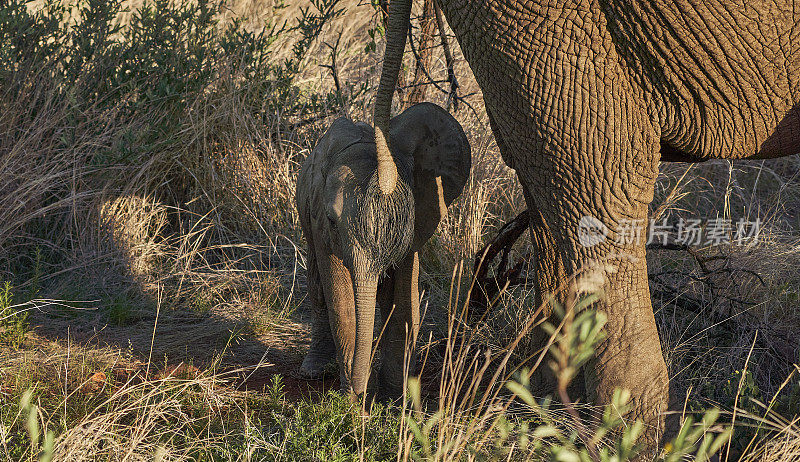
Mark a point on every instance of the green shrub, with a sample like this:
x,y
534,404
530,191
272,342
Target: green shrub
x,y
91,100
13,319
537,431
165,56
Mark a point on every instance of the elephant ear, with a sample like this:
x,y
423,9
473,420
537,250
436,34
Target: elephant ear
x,y
442,160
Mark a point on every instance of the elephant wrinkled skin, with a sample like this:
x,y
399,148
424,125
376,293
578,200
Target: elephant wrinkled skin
x,y
364,218
585,97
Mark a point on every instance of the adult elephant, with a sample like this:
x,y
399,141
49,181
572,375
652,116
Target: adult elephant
x,y
585,97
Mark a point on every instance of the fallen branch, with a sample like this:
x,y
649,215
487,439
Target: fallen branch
x,y
487,288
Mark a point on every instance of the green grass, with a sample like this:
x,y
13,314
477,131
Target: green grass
x,y
198,418
13,319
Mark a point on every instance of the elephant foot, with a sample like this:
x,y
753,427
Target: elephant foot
x,y
320,360
363,402
318,363
390,382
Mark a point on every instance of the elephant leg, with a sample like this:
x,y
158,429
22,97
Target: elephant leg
x,y
337,285
322,350
550,274
597,156
630,357
385,302
399,305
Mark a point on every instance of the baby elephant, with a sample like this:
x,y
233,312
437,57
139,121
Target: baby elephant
x,y
365,215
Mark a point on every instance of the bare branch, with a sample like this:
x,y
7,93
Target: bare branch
x,y
448,56
335,73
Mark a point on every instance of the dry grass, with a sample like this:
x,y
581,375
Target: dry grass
x,y
193,253
105,405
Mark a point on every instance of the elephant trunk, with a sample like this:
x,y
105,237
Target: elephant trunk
x,y
365,290
396,30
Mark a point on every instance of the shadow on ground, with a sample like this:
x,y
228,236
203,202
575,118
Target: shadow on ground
x,y
108,306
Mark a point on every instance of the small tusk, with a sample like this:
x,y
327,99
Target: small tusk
x,y
440,193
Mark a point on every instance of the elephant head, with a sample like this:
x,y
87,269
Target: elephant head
x,y
378,209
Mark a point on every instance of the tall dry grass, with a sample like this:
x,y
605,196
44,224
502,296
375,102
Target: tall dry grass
x,y
173,213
